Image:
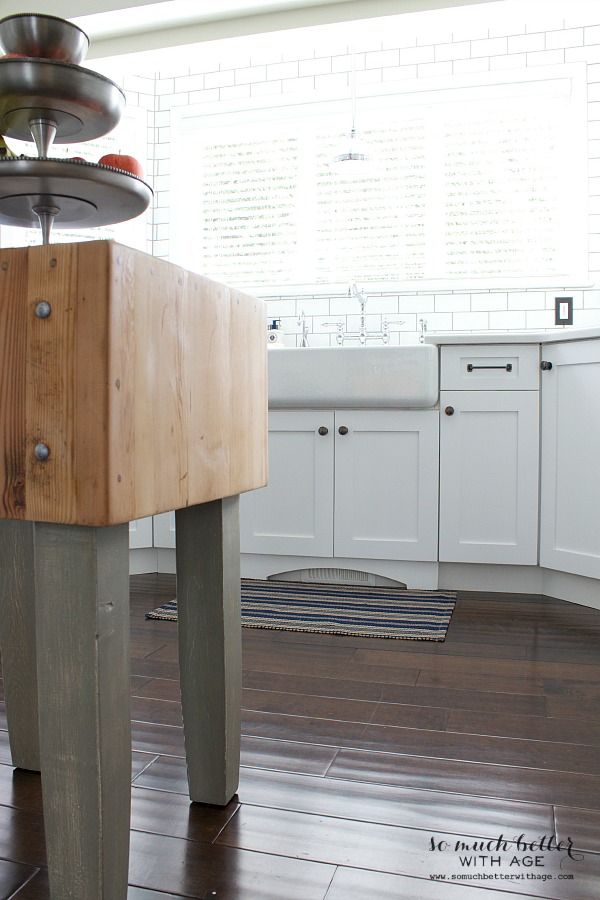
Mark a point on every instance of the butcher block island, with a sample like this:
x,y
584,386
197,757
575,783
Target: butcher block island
x,y
146,383
129,387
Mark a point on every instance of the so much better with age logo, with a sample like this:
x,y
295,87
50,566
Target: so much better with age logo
x,y
518,858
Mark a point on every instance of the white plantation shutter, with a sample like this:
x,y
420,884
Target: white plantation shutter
x,y
247,204
479,186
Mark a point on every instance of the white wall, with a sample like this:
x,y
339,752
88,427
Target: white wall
x,y
414,48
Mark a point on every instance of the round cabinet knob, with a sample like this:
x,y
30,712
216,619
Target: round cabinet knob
x,y
545,365
449,410
323,431
342,430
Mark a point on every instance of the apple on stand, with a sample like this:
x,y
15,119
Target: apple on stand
x,y
124,162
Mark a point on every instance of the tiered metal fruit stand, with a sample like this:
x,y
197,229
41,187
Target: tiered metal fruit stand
x,y
50,101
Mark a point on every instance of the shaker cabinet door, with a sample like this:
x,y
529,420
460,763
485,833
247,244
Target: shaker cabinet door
x,y
294,513
570,507
489,449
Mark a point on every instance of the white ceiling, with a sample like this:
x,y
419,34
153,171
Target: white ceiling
x,y
118,27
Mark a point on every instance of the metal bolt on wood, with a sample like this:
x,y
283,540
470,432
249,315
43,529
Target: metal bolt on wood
x,y
43,309
41,452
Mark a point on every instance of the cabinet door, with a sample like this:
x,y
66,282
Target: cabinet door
x,y
386,484
489,461
140,533
294,513
570,517
164,530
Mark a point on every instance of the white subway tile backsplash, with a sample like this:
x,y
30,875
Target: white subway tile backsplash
x,y
189,83
265,88
471,66
381,58
583,54
414,55
210,96
507,321
434,70
460,50
485,302
219,79
592,34
250,74
526,300
591,299
421,304
452,302
489,47
470,321
526,43
321,66
512,61
569,37
282,70
546,58
295,85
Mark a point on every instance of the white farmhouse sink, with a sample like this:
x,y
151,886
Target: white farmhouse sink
x,y
350,377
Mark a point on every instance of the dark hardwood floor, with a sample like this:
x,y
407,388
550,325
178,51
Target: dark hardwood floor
x,y
365,761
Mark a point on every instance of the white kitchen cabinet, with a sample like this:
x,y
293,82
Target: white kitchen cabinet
x,y
294,513
353,483
570,501
489,462
164,530
140,533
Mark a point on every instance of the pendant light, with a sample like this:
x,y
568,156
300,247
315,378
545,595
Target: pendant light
x,y
354,150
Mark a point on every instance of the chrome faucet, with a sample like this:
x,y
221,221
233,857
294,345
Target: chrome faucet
x,y
363,334
302,322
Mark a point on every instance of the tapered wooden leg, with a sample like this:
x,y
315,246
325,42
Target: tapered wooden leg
x,y
18,643
209,625
82,604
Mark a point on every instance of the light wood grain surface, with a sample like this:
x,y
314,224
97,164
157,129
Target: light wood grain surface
x,y
148,383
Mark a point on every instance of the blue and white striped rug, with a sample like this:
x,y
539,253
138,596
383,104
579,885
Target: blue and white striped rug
x,y
386,612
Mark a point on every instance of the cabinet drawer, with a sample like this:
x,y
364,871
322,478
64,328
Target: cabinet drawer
x,y
490,367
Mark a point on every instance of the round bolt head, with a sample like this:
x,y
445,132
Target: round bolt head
x,y
43,309
41,452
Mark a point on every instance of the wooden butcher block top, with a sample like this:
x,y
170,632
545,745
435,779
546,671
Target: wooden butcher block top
x,y
146,383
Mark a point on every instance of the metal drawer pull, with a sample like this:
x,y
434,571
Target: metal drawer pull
x,y
323,431
342,430
471,367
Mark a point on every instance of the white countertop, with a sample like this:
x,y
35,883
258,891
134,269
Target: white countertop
x,y
512,337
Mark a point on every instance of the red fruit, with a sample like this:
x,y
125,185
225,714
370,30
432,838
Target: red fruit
x,y
14,56
122,161
77,159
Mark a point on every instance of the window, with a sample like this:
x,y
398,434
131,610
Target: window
x,y
481,185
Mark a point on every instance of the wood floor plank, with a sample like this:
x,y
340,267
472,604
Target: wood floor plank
x,y
342,710
398,850
167,813
193,869
480,748
456,698
472,779
582,826
565,708
530,728
483,665
369,801
361,885
13,876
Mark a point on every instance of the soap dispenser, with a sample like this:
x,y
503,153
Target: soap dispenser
x,y
275,334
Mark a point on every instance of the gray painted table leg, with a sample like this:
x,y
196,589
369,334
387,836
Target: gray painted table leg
x,y
210,658
17,641
82,599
